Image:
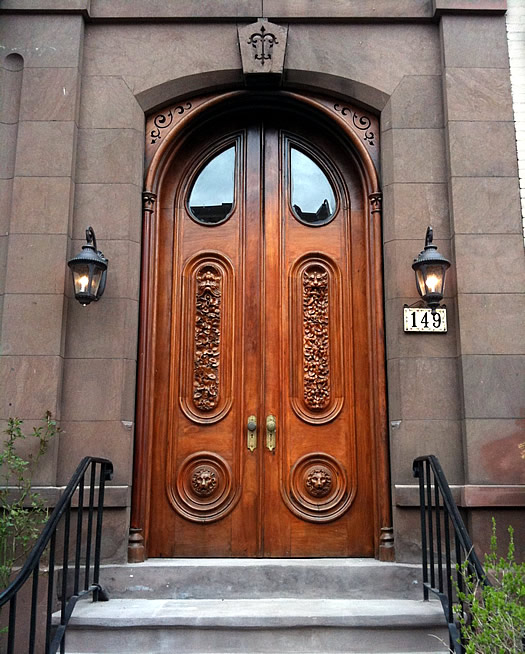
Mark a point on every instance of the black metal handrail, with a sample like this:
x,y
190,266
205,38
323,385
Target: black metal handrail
x,y
70,591
446,545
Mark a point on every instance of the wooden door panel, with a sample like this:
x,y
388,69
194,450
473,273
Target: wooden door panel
x,y
262,315
317,444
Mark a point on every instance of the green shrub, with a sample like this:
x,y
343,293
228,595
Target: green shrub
x,y
22,511
492,617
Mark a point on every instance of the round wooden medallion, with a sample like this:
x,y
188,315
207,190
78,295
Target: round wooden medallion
x,y
318,488
204,487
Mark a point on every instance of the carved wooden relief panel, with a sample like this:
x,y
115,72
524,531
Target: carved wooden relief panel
x,y
207,340
317,385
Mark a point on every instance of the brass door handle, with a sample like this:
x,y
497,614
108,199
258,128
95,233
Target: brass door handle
x,y
271,427
251,440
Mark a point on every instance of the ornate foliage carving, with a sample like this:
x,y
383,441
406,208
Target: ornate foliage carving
x,y
316,354
318,481
207,338
204,481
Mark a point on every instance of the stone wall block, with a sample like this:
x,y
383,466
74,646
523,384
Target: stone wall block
x,y
110,156
490,146
417,102
480,529
400,281
492,324
232,9
408,209
41,205
44,41
11,85
493,453
41,374
407,344
494,385
45,149
107,102
479,42
418,155
49,94
123,277
373,54
145,58
429,389
129,389
8,138
32,324
394,389
101,330
6,194
112,440
478,94
117,206
486,205
45,472
412,438
92,389
491,263
37,263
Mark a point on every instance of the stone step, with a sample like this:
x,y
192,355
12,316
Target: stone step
x,y
260,578
262,626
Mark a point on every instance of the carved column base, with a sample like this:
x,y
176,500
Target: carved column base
x,y
386,545
136,551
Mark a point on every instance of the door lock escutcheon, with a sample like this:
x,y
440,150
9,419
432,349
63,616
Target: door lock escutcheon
x,y
251,440
271,427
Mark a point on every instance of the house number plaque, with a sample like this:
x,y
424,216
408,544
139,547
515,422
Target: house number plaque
x,y
423,320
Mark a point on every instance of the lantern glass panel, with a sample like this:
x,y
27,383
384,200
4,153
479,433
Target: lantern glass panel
x,y
81,278
95,281
434,279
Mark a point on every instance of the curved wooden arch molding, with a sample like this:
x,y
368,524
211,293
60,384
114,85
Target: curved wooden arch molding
x,y
164,133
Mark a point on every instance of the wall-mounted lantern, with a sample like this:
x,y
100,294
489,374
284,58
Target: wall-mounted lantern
x,y
89,269
430,267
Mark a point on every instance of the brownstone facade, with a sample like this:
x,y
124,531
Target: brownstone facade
x,y
79,78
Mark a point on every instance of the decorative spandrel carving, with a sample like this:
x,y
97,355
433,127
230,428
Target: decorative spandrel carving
x,y
207,338
263,46
316,338
164,120
360,122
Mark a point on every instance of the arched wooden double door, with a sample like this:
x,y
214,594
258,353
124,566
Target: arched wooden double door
x,y
262,407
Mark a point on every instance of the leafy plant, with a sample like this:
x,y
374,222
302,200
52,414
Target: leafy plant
x,y
22,511
492,617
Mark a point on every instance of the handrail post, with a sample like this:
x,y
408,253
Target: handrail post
x,y
419,473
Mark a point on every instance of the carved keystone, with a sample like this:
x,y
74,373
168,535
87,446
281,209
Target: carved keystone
x,y
263,46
